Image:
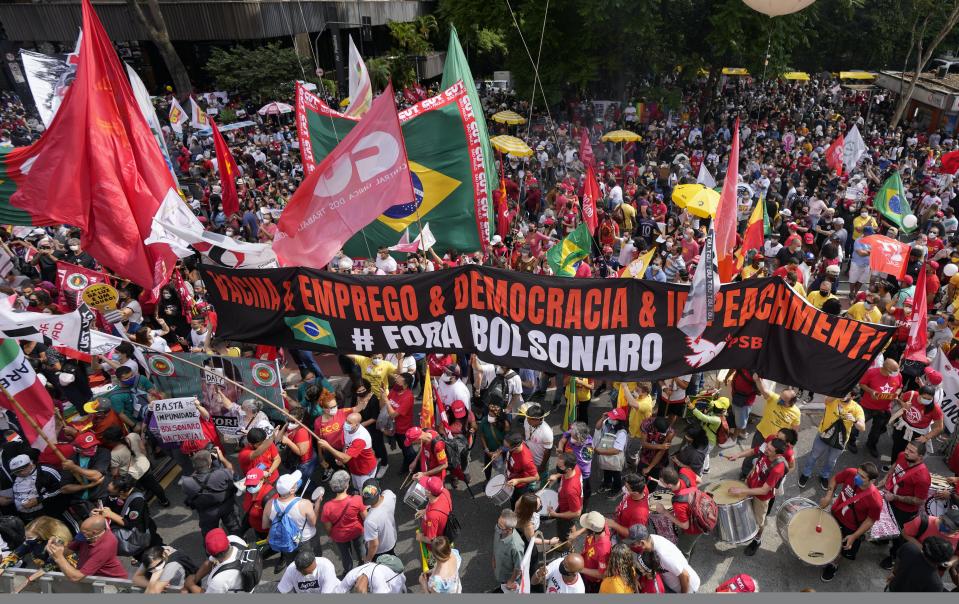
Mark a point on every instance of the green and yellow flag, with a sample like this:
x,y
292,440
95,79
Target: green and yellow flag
x,y
564,255
892,203
569,416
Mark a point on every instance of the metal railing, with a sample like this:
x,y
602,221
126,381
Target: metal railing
x,y
57,582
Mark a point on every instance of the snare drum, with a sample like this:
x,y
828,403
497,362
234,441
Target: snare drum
x,y
663,526
886,528
498,491
736,522
548,498
796,523
416,496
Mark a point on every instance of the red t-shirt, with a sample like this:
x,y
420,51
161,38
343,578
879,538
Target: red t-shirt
x,y
300,436
908,481
596,550
653,585
344,515
432,456
885,386
331,430
744,386
789,455
681,500
571,493
360,450
766,472
253,506
402,403
264,461
688,477
851,516
632,511
437,511
99,559
520,463
438,365
911,528
918,415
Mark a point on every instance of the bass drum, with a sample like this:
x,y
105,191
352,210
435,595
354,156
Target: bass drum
x,y
796,523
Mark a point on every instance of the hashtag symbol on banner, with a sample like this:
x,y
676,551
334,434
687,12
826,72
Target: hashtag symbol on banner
x,y
362,339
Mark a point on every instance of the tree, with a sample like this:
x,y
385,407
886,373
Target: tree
x,y
152,21
264,73
948,15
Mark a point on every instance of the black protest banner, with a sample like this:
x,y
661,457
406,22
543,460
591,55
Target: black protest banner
x,y
613,328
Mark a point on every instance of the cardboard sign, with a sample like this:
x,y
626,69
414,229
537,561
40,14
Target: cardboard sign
x,y
101,296
178,419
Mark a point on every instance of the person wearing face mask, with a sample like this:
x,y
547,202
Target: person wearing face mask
x,y
906,487
74,255
761,483
921,419
818,297
866,310
375,369
438,362
34,489
96,549
570,495
87,472
302,514
329,427
840,418
358,457
880,386
127,510
257,493
449,387
859,272
856,507
297,444
130,310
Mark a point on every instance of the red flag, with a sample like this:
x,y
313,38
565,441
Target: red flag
x,y
725,224
421,92
949,162
226,166
363,176
590,195
73,279
31,402
100,168
834,154
918,336
586,148
410,95
887,255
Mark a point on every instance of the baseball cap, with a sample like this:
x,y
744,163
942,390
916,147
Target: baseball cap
x,y
253,477
907,280
433,484
371,491
934,377
86,441
20,461
618,414
721,403
758,257
459,409
413,435
741,583
286,483
216,542
808,238
452,370
90,407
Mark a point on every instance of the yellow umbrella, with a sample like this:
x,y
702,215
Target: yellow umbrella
x,y
345,102
856,75
510,118
621,136
799,76
736,71
698,200
511,146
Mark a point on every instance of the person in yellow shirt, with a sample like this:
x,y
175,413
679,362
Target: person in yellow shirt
x,y
867,310
781,412
637,396
818,298
792,279
625,215
621,577
376,370
861,222
840,417
756,268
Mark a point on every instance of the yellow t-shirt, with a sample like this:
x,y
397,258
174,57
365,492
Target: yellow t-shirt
x,y
629,217
832,414
777,417
749,271
378,375
584,389
859,223
858,312
817,299
636,415
614,585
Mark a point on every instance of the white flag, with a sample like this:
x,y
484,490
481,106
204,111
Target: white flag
x,y
523,587
361,89
150,115
70,330
705,178
950,391
198,118
853,150
423,241
173,211
177,117
702,295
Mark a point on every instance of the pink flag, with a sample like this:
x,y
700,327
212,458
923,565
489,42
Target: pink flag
x,y
918,336
363,176
725,226
590,195
585,147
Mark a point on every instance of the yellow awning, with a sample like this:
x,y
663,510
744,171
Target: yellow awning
x,y
510,118
738,71
799,76
856,75
621,136
511,146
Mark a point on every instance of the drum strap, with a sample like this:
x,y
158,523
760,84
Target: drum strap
x,y
852,502
897,483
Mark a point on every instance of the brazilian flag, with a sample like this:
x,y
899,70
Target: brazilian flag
x,y
445,158
892,203
564,255
310,329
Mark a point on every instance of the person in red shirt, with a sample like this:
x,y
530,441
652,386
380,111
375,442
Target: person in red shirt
x,y
680,515
788,435
880,386
921,419
857,507
298,444
744,392
400,407
329,427
431,457
570,492
922,527
521,471
358,457
260,452
257,494
906,488
438,363
343,517
96,552
761,483
633,508
433,518
596,549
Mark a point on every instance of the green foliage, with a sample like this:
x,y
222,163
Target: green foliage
x,y
413,38
227,116
265,72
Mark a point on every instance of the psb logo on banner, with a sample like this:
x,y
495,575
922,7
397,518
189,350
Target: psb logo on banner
x,y
311,329
77,281
161,366
264,374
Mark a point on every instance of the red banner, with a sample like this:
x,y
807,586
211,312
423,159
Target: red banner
x,y
590,195
887,255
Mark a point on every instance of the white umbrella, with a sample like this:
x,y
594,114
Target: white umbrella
x,y
275,108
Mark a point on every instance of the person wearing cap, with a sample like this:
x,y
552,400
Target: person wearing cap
x,y
257,492
383,577
612,455
34,490
96,552
677,574
434,516
755,268
103,416
818,297
213,575
301,511
343,517
358,457
921,419
308,574
562,575
740,584
379,526
431,457
919,568
86,473
596,548
840,418
210,491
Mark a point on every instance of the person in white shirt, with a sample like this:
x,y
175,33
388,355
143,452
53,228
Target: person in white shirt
x,y
562,576
514,387
385,577
385,264
451,388
309,574
616,196
223,550
538,436
406,365
379,526
678,575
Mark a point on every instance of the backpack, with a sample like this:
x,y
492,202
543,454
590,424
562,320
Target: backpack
x,y
456,446
495,393
284,533
189,566
452,529
722,433
250,565
131,540
703,511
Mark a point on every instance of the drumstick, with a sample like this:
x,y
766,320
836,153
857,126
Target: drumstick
x,y
403,484
548,482
558,545
819,523
489,464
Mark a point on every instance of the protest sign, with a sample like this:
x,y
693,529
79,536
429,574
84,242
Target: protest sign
x,y
178,419
950,389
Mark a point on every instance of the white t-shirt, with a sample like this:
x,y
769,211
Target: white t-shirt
x,y
228,580
457,391
321,581
385,266
408,366
679,393
554,583
673,563
487,373
159,344
380,523
514,387
197,340
538,439
382,579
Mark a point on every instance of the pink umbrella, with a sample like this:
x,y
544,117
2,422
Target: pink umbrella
x,y
275,108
